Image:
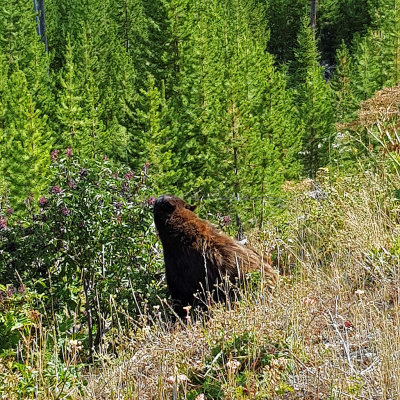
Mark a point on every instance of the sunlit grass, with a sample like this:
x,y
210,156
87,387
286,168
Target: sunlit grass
x,y
330,329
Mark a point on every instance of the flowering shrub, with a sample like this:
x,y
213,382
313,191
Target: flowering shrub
x,y
91,243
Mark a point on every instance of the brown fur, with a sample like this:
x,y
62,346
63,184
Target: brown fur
x,y
196,254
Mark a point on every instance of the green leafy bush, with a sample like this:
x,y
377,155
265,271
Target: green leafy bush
x,y
90,242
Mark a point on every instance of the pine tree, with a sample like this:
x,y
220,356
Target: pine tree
x,y
26,142
98,82
314,100
159,54
17,33
89,111
64,19
24,49
157,142
27,102
194,109
387,22
345,101
3,118
367,72
337,21
70,112
284,18
232,119
269,137
377,53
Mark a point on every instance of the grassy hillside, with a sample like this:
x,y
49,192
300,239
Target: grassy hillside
x,y
330,329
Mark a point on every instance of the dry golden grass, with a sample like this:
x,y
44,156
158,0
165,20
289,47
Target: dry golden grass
x,y
329,330
331,326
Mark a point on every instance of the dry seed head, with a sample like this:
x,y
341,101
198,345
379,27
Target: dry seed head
x,y
233,365
178,379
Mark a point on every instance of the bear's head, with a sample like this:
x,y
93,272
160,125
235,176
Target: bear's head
x,y
165,205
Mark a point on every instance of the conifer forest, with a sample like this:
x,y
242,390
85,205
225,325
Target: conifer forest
x,y
279,119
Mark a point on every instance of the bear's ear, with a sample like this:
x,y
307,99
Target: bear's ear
x,y
191,208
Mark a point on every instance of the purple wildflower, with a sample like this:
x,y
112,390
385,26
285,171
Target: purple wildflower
x,y
128,176
10,290
227,220
68,152
9,211
56,190
72,184
3,223
43,201
65,211
105,158
54,155
151,201
22,288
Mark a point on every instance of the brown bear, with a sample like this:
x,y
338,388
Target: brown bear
x,y
197,255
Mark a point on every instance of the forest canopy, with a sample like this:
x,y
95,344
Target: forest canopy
x,y
224,100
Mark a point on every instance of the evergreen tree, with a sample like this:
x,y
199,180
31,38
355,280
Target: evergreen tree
x,y
89,110
157,141
98,89
337,21
195,110
367,72
284,18
377,53
3,118
345,101
314,100
70,113
387,22
159,53
271,132
25,52
17,33
64,19
232,114
27,102
26,141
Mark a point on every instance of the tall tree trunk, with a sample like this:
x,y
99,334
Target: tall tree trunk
x,y
38,7
313,15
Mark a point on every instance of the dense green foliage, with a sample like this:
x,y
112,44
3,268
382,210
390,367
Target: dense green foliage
x,y
219,101
87,244
225,100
